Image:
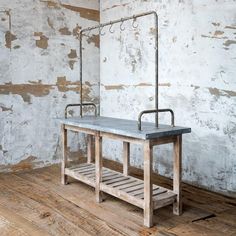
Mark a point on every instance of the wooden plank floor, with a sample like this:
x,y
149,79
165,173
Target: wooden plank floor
x,y
35,203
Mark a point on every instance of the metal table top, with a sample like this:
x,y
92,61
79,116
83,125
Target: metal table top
x,y
124,127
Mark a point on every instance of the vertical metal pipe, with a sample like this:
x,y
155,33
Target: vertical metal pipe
x,y
156,69
81,73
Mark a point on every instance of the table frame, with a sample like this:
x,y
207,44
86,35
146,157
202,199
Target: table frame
x,y
148,204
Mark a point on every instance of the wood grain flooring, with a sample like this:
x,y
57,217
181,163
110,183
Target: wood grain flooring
x,y
36,203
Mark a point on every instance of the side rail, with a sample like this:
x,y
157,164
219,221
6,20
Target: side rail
x,y
155,111
81,105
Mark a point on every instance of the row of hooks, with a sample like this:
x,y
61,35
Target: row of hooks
x,y
122,27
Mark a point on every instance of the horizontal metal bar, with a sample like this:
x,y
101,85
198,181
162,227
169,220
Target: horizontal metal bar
x,y
155,111
118,21
81,105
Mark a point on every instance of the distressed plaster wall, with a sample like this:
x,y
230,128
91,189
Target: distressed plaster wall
x,y
39,71
197,71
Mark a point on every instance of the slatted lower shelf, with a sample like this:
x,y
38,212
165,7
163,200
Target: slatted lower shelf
x,y
127,188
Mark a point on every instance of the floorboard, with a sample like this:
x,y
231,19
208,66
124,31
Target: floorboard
x,y
35,203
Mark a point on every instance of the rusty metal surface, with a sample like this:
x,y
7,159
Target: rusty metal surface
x,y
100,27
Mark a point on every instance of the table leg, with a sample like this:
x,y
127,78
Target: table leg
x,y
148,204
126,158
98,166
90,149
64,154
177,206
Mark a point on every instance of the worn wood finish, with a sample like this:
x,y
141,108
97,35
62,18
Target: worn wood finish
x,y
82,130
127,188
147,198
36,202
90,149
177,163
64,154
121,138
148,202
163,140
98,168
126,158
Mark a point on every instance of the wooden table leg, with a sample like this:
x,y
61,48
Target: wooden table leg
x,y
126,158
64,154
177,206
98,166
90,149
148,204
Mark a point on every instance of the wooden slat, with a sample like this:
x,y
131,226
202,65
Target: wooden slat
x,y
163,199
80,177
121,178
128,186
121,137
111,176
154,192
98,165
122,195
126,158
162,140
122,183
78,129
177,162
148,204
133,188
90,149
64,154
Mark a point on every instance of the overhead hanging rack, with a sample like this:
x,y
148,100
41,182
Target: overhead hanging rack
x,y
122,28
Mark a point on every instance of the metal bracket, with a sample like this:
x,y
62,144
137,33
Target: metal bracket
x,y
155,111
81,105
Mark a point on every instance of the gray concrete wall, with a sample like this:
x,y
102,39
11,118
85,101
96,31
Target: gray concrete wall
x,y
39,71
197,68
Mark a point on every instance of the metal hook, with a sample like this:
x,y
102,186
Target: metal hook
x,y
89,30
133,24
122,28
111,31
100,31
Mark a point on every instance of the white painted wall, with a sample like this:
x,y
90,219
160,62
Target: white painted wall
x,y
42,77
197,71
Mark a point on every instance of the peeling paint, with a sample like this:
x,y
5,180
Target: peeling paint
x,y
229,42
218,32
71,64
4,108
51,4
217,92
65,31
43,41
36,89
114,87
72,54
76,30
216,24
213,37
94,39
86,13
50,23
230,27
164,84
9,37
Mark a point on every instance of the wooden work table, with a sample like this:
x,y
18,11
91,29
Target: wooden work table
x,y
141,193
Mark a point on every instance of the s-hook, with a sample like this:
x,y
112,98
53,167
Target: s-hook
x,y
135,21
111,31
100,31
122,28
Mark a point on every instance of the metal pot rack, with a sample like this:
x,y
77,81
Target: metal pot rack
x,y
100,27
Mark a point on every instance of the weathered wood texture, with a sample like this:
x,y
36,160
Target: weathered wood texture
x,y
35,203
